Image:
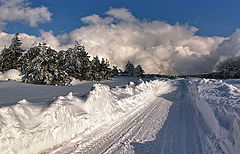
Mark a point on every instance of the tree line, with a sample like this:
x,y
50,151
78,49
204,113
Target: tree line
x,y
44,65
229,68
226,69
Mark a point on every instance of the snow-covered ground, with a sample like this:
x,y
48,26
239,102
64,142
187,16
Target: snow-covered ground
x,y
221,99
12,74
123,115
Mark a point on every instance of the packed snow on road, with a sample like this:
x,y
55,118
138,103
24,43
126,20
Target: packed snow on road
x,y
123,115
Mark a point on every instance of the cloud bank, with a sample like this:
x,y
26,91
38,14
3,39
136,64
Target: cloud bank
x,y
156,45
20,10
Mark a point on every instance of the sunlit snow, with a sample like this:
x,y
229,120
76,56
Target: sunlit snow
x,y
123,115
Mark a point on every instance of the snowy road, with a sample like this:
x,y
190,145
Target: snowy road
x,y
180,133
139,125
151,130
181,116
118,137
141,132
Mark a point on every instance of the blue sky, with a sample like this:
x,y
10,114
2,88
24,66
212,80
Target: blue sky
x,y
164,36
211,17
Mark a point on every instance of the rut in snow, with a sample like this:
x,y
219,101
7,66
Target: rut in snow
x,y
141,124
164,116
185,130
180,132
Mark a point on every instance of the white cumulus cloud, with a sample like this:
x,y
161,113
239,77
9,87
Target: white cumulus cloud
x,y
20,10
121,14
156,45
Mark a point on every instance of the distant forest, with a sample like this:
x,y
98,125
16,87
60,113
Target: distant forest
x,y
44,65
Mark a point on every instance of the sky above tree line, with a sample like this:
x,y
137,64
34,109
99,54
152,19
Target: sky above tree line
x,y
215,17
174,36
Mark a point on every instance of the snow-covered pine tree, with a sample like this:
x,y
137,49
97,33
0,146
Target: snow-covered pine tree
x,y
99,70
138,71
75,61
83,61
115,71
95,69
229,68
62,60
41,67
6,62
9,58
129,69
105,71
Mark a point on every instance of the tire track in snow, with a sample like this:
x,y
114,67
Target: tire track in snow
x,y
146,131
141,128
180,133
140,125
143,132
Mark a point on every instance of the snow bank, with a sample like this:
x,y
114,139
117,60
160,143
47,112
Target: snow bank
x,y
75,82
220,108
12,74
32,128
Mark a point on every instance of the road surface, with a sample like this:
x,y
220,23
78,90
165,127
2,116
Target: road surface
x,y
144,131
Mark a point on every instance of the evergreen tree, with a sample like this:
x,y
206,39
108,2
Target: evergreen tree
x,y
115,71
133,72
83,61
75,61
99,70
105,71
229,68
95,69
9,58
138,71
129,69
41,67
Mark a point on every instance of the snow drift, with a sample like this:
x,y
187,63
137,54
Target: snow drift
x,y
221,101
31,128
11,74
204,117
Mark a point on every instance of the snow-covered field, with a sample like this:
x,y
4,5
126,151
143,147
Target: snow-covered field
x,y
123,115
